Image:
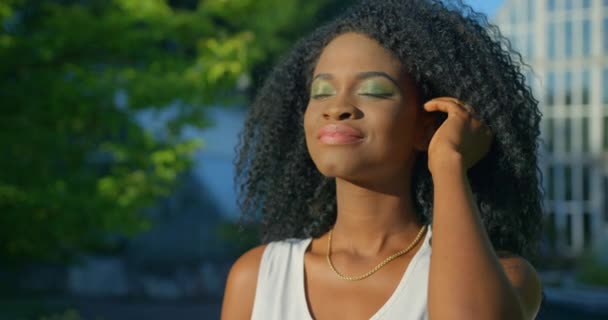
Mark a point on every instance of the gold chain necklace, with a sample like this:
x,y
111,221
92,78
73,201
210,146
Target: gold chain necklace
x,y
377,267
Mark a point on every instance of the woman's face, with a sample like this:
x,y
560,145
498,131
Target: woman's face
x,y
361,119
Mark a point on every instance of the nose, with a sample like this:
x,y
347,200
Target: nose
x,y
340,109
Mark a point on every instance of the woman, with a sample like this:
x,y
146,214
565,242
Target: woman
x,y
398,122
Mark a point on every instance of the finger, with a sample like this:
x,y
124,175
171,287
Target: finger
x,y
465,106
444,106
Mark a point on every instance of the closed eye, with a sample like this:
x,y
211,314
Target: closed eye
x,y
321,96
378,95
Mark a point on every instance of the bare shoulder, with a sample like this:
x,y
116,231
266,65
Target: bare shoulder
x,y
525,280
240,285
244,271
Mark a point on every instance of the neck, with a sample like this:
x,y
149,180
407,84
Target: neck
x,y
374,219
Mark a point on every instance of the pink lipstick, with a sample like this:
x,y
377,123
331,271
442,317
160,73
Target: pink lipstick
x,y
339,134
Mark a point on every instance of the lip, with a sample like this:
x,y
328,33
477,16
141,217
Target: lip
x,y
339,134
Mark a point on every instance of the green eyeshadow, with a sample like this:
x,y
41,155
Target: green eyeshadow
x,y
321,88
376,87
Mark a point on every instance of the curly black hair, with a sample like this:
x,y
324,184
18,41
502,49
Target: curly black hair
x,y
449,50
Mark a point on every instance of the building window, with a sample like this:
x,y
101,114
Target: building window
x,y
513,16
549,133
605,198
531,6
567,134
605,86
586,86
568,42
568,229
568,182
586,183
551,41
530,45
551,5
568,87
587,230
586,4
550,229
605,34
606,134
585,128
586,37
568,4
550,89
551,183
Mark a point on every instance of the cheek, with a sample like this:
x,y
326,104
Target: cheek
x,y
393,121
307,123
394,133
309,129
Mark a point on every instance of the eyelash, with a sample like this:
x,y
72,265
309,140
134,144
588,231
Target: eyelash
x,y
320,96
379,96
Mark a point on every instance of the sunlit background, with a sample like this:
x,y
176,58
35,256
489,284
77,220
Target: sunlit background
x,y
118,122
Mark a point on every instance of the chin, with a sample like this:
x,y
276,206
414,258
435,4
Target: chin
x,y
341,171
331,170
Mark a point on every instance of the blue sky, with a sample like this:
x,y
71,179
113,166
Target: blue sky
x,y
488,7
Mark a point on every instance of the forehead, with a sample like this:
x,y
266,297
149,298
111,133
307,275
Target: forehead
x,y
353,52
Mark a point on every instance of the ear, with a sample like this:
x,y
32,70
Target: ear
x,y
427,124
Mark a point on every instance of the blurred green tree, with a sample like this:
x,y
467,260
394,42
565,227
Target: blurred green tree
x,y
75,164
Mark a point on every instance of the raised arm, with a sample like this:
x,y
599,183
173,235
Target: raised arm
x,y
467,279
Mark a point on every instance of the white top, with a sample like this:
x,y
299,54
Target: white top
x,y
280,292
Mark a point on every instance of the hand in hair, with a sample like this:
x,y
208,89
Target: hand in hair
x,y
461,136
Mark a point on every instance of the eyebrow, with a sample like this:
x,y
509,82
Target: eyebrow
x,y
360,76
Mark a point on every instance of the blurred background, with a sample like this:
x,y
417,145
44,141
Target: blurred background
x,y
118,121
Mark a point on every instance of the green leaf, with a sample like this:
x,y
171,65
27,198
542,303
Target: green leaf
x,y
76,166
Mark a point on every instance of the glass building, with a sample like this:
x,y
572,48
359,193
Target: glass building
x,y
565,42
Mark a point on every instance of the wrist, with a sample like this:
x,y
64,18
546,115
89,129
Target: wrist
x,y
446,163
